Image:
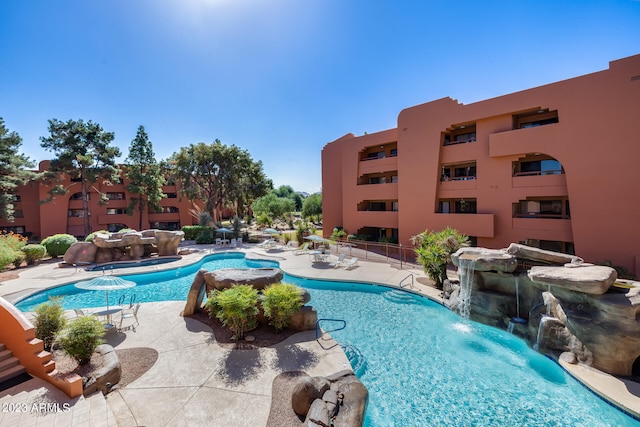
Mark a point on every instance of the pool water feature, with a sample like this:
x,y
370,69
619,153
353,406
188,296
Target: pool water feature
x,y
422,364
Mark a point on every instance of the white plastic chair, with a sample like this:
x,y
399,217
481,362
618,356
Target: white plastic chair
x,y
129,314
233,243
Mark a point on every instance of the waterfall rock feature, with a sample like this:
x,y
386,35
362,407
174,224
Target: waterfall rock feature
x,y
589,317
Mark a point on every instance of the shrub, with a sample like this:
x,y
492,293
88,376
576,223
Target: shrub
x,y
236,308
18,259
279,302
89,238
80,339
34,253
236,223
434,249
205,237
49,320
7,255
191,232
338,233
265,219
58,244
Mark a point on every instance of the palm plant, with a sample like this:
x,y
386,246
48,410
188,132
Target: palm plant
x,y
434,249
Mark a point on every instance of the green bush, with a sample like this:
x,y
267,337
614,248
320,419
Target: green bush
x,y
34,253
49,320
279,302
18,259
89,238
80,339
205,237
7,255
58,244
338,233
191,232
236,308
434,249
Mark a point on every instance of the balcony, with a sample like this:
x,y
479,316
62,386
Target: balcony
x,y
382,219
377,191
545,228
378,165
541,139
479,225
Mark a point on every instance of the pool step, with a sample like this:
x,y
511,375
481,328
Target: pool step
x,y
356,359
400,297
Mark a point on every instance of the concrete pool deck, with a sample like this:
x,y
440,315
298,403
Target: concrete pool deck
x,y
194,379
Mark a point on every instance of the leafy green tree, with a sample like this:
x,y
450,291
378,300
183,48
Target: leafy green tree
x,y
145,176
288,192
218,175
82,151
434,249
12,170
312,206
273,206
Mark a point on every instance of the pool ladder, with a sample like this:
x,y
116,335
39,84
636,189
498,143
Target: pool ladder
x,y
410,284
320,335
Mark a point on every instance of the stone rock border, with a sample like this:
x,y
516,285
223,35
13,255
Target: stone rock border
x,y
110,373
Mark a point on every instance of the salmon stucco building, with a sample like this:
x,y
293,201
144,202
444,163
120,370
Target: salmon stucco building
x,y
554,167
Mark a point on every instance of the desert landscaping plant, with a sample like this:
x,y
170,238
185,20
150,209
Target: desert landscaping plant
x,y
34,253
80,339
10,245
49,321
279,302
58,244
434,249
236,308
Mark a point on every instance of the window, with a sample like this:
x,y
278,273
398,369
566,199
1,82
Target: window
x,y
78,196
457,206
377,206
460,134
393,152
542,208
166,225
19,229
116,211
115,196
171,195
459,172
535,118
75,213
394,206
394,178
465,206
444,207
169,209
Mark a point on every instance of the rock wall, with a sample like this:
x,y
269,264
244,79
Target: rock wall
x,y
131,245
555,301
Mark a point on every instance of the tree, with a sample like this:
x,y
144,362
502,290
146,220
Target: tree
x,y
145,176
288,192
434,249
12,172
218,175
312,206
84,152
273,206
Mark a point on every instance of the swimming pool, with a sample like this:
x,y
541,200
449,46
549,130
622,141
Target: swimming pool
x,y
422,364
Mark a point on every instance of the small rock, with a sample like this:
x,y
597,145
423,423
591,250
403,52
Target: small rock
x,y
250,338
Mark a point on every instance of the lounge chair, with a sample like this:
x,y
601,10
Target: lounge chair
x,y
129,314
81,313
233,243
339,261
303,250
218,241
289,245
349,263
265,243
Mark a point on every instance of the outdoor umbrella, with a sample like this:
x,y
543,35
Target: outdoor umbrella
x,y
105,283
224,231
315,239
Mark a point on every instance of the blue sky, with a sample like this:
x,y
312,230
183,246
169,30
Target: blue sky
x,y
281,78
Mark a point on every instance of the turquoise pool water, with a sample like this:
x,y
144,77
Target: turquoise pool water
x,y
422,364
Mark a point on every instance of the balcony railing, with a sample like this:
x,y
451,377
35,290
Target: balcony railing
x,y
538,173
460,141
540,215
457,178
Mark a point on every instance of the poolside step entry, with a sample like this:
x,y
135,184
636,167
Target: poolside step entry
x,y
400,297
356,359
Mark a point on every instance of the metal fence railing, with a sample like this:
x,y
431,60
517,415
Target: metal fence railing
x,y
391,253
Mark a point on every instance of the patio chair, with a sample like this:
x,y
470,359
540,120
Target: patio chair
x,y
233,243
129,314
303,250
218,241
81,313
339,261
239,240
289,245
264,243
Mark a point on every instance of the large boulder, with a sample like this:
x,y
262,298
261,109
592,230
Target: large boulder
x,y
225,278
195,295
304,319
307,390
168,241
481,259
540,255
81,253
588,279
